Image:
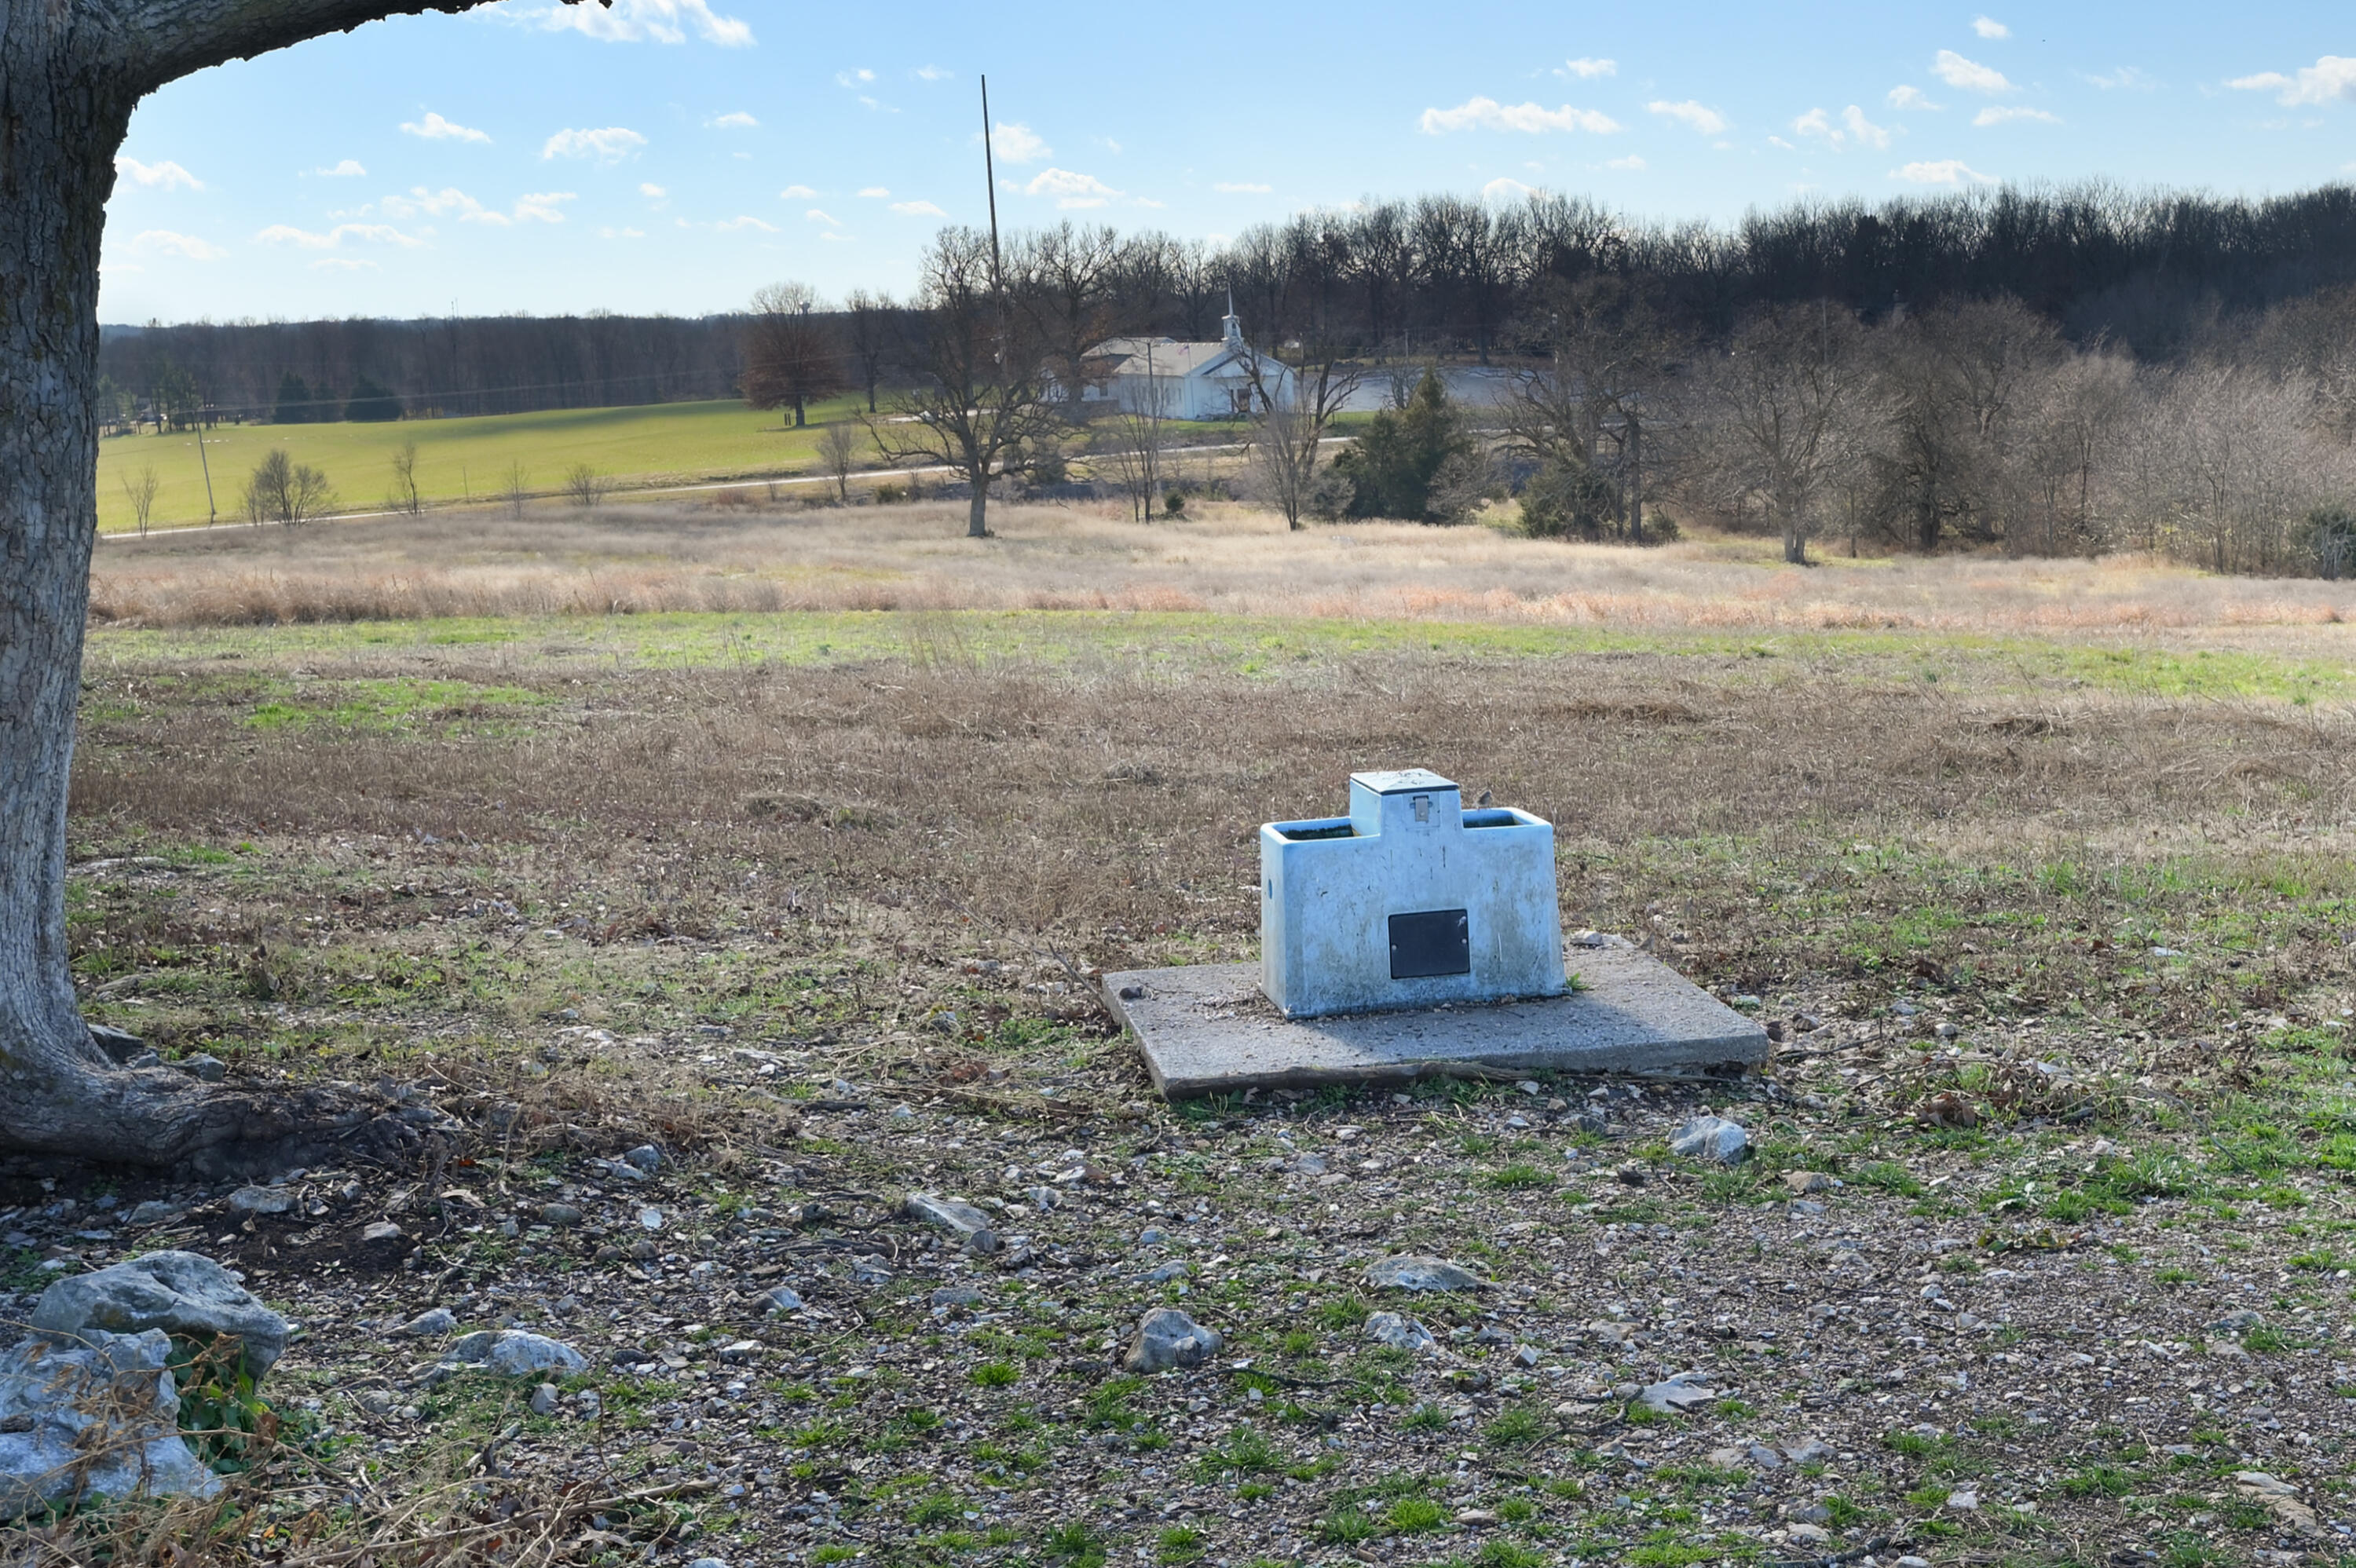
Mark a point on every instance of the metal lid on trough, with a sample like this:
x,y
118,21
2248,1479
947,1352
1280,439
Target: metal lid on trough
x,y
1404,780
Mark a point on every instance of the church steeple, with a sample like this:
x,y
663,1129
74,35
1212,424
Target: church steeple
x,y
1234,337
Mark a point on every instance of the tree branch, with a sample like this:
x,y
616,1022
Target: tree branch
x,y
162,40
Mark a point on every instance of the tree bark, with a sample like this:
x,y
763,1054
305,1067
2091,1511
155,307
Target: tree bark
x,y
71,73
976,512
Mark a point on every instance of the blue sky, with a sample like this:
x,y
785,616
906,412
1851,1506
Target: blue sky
x,y
676,155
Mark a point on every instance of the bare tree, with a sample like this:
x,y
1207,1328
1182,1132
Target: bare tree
x,y
1602,405
981,407
791,359
875,322
1775,402
140,490
1291,409
71,71
404,497
284,491
1064,280
838,449
515,489
585,486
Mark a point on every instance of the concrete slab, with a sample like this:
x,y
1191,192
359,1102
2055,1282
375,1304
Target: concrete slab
x,y
1206,1030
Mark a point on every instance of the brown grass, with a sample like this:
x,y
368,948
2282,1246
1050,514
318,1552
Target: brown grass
x,y
737,557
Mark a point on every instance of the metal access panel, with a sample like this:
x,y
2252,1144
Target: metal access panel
x,y
1434,942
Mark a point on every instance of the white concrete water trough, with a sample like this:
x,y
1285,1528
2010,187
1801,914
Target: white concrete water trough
x,y
1416,937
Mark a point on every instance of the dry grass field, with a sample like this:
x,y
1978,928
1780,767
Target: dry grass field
x,y
801,867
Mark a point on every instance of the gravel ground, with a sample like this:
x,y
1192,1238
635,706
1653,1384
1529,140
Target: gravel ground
x,y
2001,1294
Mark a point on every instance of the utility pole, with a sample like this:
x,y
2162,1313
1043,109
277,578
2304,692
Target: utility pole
x,y
211,511
990,177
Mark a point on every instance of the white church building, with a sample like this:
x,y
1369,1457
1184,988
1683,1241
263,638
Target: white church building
x,y
1183,380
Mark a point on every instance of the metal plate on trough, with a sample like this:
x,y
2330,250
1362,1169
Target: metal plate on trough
x,y
1206,1030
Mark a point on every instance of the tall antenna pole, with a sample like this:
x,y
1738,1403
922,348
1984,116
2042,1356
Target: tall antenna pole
x,y
989,174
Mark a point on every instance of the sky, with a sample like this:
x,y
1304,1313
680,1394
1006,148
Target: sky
x,y
674,155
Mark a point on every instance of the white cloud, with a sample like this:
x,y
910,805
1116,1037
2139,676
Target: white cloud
x,y
875,192
164,242
1969,75
1011,142
621,234
1909,98
437,203
819,215
932,73
2330,77
1706,120
347,169
739,121
1505,189
343,264
795,193
367,233
745,221
165,175
1989,27
1586,70
853,77
917,209
1070,189
433,128
1241,187
1946,171
1487,114
1779,142
652,191
539,206
609,144
2127,77
2000,115
1853,129
637,21
1630,162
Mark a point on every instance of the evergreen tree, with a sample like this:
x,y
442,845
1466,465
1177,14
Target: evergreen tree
x,y
372,404
1398,468
294,405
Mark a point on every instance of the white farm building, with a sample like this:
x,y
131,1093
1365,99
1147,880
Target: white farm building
x,y
1182,380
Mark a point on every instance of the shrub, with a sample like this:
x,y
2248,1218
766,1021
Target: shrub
x,y
1420,462
282,490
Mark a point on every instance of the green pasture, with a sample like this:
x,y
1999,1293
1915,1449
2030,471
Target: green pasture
x,y
1190,643
464,458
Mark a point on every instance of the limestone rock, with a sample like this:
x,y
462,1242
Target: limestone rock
x,y
1167,1338
430,1322
1679,1392
1400,1332
962,1219
52,1395
261,1201
179,1293
1415,1272
1711,1138
780,1298
513,1353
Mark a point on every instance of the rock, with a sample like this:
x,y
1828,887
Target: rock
x,y
120,1044
154,1212
1806,1534
650,1219
1803,1182
737,1352
1678,1393
956,1295
1528,1356
2239,1321
1177,1268
645,1158
2257,1483
1400,1333
1308,1164
1726,1458
178,1293
1808,1451
1966,1501
1911,1561
1815,1513
870,1270
954,1217
112,1392
204,1069
544,1399
1151,1236
433,1321
513,1353
261,1201
1764,1457
782,1299
708,1562
381,1231
1167,1338
1475,1517
1610,1332
558,1214
1416,1272
1711,1138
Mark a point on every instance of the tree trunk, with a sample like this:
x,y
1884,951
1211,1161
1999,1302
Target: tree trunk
x,y
976,512
63,112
